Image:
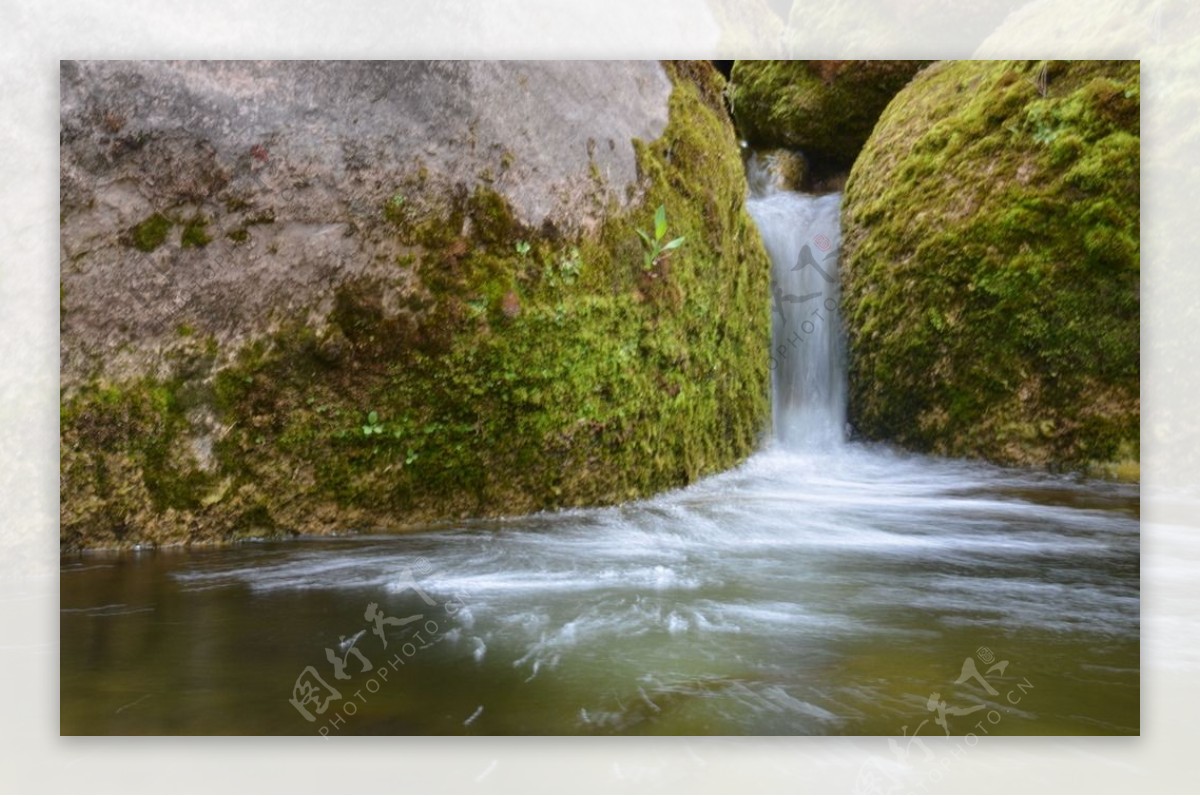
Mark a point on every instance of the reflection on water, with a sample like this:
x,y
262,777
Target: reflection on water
x,y
798,594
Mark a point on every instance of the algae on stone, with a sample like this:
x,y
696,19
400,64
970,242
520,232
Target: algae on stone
x,y
991,264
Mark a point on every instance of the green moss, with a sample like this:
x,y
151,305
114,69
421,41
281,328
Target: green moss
x,y
239,235
150,234
991,264
491,217
195,233
827,109
121,456
506,381
394,210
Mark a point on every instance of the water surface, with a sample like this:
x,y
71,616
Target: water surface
x,y
822,587
799,594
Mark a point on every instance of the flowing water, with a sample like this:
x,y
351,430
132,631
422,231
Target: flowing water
x,y
822,587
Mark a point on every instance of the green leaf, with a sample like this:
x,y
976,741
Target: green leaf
x,y
660,222
644,237
373,418
675,244
366,431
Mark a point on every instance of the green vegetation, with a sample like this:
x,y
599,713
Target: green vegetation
x,y
195,233
991,265
127,472
393,211
657,251
522,371
150,234
826,109
372,426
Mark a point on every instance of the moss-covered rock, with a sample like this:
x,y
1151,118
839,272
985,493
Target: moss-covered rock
x,y
865,29
991,264
488,359
824,108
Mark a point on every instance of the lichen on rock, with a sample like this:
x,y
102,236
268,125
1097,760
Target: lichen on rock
x,y
991,265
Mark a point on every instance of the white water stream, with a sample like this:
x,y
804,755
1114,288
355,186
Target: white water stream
x,y
824,586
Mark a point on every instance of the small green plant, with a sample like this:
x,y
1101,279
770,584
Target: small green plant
x,y
566,271
372,426
523,248
393,209
1045,132
1046,127
655,250
569,266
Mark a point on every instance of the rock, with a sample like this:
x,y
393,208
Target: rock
x,y
776,170
826,109
952,27
283,172
991,264
1116,29
747,25
397,291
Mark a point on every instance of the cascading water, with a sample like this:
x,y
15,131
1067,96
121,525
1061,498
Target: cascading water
x,y
802,235
821,587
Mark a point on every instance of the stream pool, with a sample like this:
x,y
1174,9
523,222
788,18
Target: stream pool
x,y
827,593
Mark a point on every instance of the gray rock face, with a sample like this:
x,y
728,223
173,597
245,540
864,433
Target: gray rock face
x,y
221,197
302,298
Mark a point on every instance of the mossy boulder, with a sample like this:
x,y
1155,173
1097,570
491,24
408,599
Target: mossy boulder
x,y
865,29
1154,34
826,109
396,293
991,265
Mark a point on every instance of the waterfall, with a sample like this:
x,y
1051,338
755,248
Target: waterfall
x,y
802,235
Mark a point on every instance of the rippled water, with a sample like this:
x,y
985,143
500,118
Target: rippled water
x,y
829,593
822,587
